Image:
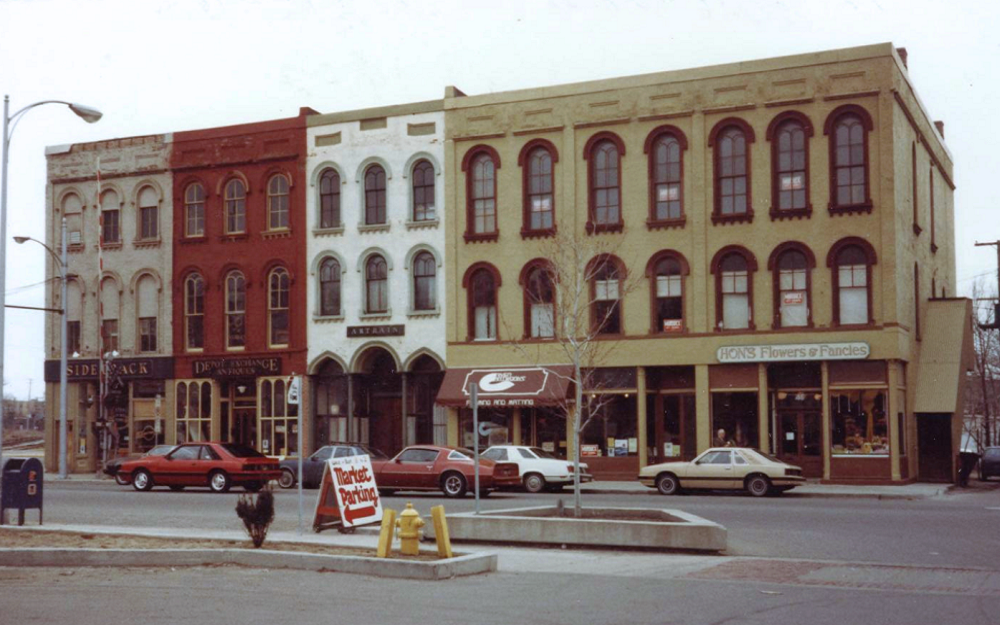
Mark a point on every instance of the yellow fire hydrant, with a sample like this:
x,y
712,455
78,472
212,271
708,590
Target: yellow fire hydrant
x,y
409,524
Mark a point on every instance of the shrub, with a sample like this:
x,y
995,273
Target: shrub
x,y
257,513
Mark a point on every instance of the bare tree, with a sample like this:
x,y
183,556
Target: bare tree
x,y
575,298
983,396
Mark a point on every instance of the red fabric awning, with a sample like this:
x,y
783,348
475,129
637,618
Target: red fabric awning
x,y
507,387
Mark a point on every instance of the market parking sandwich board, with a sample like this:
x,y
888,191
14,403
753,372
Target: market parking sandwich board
x,y
348,495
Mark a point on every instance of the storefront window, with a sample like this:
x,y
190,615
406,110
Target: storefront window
x,y
331,404
193,411
494,428
279,427
545,428
613,430
734,420
859,422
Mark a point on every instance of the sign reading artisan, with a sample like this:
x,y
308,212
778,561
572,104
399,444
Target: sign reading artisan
x,y
396,330
506,387
785,353
357,494
235,367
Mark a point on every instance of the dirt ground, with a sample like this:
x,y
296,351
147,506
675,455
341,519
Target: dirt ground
x,y
17,538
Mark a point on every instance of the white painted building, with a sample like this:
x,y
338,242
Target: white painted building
x,y
376,257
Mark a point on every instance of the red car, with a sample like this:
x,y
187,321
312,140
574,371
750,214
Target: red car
x,y
448,469
215,465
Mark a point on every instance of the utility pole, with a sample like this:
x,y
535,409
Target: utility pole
x,y
996,307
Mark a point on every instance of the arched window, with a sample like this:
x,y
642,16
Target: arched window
x,y
74,313
329,199
423,191
792,290
147,311
848,127
110,218
424,282
790,166
605,185
236,310
667,289
72,208
732,173
329,288
375,195
734,268
149,214
539,198
666,178
852,286
376,284
194,210
605,293
483,304
194,312
110,307
277,202
539,303
277,308
483,195
236,207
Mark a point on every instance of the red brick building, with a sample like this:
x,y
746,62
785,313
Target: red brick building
x,y
239,303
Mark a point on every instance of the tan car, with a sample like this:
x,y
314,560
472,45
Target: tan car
x,y
724,468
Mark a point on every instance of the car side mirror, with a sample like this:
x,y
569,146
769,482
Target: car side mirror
x,y
398,461
697,461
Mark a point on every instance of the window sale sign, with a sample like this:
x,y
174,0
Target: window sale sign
x,y
355,489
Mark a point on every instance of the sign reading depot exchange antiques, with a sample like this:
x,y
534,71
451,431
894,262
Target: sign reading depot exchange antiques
x,y
235,367
783,353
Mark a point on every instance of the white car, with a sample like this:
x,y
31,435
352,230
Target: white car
x,y
539,469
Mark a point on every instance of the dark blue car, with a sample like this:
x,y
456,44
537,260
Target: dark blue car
x,y
312,467
990,465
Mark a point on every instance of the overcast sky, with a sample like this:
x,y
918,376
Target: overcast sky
x,y
160,66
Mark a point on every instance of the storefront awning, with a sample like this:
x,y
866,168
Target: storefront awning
x,y
945,355
507,387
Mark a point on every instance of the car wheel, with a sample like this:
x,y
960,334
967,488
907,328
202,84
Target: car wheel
x,y
668,484
287,479
534,483
176,488
253,487
121,480
453,484
218,481
758,486
142,480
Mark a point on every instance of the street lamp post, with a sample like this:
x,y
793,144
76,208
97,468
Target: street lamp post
x,y
88,115
64,275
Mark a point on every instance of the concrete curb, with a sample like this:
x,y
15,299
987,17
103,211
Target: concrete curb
x,y
459,566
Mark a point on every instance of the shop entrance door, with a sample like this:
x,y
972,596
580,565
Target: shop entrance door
x,y
800,437
385,431
245,427
934,447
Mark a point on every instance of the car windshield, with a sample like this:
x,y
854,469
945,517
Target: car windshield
x,y
541,453
241,451
160,450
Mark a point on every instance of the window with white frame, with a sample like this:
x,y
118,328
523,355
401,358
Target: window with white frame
x,y
735,290
193,411
149,214
236,307
148,310
277,202
277,308
194,312
194,210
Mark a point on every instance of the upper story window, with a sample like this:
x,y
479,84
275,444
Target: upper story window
x,y
147,311
539,302
194,210
789,135
149,214
481,285
424,282
483,196
423,191
329,199
666,273
277,202
539,194
603,153
329,288
731,140
665,148
278,282
74,312
376,285
110,218
848,127
792,264
734,267
236,310
72,208
851,261
236,207
605,290
375,196
110,309
194,312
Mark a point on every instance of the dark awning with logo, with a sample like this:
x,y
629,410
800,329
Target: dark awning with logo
x,y
507,387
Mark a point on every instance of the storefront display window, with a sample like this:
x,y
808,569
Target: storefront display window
x,y
279,429
331,404
494,428
193,411
735,414
859,422
612,431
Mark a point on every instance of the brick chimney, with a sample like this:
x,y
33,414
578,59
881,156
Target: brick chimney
x,y
940,126
902,56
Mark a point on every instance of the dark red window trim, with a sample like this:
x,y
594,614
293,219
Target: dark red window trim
x,y
654,260
772,266
526,271
831,263
470,312
522,161
751,262
588,148
772,129
593,266
667,129
749,138
470,214
828,129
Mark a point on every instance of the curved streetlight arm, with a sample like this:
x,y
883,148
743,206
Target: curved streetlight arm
x,y
86,113
48,249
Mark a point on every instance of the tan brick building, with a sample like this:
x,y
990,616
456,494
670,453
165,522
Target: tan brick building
x,y
779,263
